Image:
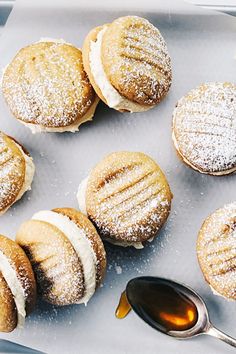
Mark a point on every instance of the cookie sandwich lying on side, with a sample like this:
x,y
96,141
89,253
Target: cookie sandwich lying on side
x,y
47,89
66,253
128,64
204,128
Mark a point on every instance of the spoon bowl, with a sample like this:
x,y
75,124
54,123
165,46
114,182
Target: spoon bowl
x,y
171,308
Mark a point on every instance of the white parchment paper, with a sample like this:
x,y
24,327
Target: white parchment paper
x,y
202,46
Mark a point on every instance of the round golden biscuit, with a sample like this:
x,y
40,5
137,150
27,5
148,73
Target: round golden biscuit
x,y
127,197
66,253
128,64
17,285
216,251
16,172
204,128
47,89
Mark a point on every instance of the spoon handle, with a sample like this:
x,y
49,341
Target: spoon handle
x,y
214,332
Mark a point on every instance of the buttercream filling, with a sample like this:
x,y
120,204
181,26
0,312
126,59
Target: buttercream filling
x,y
29,175
111,95
16,288
81,196
81,245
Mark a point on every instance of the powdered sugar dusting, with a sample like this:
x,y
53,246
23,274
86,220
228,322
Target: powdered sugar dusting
x,y
45,84
12,172
118,269
130,204
15,269
56,265
141,58
204,127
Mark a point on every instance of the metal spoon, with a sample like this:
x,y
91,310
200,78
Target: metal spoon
x,y
137,292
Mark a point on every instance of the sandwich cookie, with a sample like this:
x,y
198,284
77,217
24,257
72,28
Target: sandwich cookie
x,y
204,128
66,253
127,197
47,89
16,172
128,64
216,251
17,285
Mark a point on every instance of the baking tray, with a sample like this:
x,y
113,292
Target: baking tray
x,y
202,47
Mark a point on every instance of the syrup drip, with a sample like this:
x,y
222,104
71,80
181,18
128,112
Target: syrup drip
x,y
123,307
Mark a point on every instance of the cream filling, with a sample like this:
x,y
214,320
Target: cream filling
x,y
36,128
111,95
81,245
16,288
137,245
29,175
81,197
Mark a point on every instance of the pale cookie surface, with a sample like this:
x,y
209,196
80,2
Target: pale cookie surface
x,y
46,85
204,128
136,60
56,265
127,197
216,250
12,171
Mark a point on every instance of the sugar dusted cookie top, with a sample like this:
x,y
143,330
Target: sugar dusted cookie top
x,y
45,85
128,198
136,60
204,128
